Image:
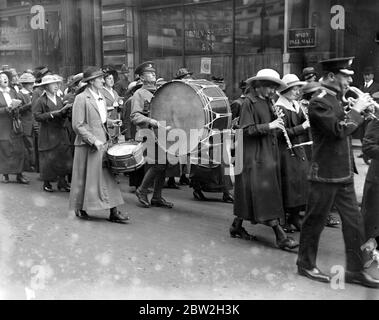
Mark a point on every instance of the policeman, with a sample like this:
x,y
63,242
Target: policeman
x,y
331,175
140,116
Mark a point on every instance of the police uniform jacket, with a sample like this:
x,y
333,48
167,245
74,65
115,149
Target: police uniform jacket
x,y
332,156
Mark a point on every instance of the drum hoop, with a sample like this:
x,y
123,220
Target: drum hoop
x,y
125,155
132,167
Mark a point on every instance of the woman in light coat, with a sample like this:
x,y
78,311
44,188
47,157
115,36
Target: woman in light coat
x,y
93,187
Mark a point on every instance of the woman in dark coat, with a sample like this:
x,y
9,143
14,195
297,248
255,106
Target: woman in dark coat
x,y
12,155
293,163
370,201
257,192
54,148
27,81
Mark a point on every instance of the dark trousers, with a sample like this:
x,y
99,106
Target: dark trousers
x,y
321,198
155,174
29,152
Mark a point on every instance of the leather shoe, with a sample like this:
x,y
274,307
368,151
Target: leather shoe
x,y
172,185
161,203
21,179
142,198
5,178
332,222
48,187
227,197
63,187
240,232
199,195
362,278
184,180
314,274
118,217
82,214
287,243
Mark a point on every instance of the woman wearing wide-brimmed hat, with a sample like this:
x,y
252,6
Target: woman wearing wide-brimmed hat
x,y
93,187
27,81
293,163
54,148
11,136
257,191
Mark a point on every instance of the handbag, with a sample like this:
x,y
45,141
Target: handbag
x,y
17,126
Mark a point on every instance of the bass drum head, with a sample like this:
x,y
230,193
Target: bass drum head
x,y
181,107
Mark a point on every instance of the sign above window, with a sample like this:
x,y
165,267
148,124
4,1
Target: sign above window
x,y
302,38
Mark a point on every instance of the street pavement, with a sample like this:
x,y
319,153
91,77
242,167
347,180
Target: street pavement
x,y
182,253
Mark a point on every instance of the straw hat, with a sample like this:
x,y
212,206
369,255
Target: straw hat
x,y
27,78
50,78
267,75
291,80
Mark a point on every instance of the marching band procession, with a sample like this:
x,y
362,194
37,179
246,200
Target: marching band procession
x,y
291,135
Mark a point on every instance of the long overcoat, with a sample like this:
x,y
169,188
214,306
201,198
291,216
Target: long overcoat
x,y
370,201
53,141
257,192
11,144
294,168
93,186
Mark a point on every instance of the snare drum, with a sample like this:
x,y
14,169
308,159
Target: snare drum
x,y
125,157
191,104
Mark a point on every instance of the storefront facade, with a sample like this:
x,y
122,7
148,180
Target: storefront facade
x,y
58,33
231,39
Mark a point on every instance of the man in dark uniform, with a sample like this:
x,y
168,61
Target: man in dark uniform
x,y
140,116
331,175
371,87
121,85
236,105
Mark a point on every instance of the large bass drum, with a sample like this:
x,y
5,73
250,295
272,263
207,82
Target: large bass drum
x,y
188,105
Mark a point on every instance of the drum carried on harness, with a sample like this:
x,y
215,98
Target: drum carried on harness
x,y
125,157
189,105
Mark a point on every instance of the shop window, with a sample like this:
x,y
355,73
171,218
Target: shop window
x,y
162,33
264,30
208,28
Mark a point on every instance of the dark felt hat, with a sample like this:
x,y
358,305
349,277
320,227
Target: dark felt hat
x,y
40,72
308,73
368,70
92,73
182,72
75,80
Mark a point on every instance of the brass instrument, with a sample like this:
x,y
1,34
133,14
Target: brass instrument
x,y
303,103
279,114
369,113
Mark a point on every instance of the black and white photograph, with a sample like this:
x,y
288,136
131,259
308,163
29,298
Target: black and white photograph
x,y
214,151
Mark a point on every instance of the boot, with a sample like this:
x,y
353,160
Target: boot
x,y
237,231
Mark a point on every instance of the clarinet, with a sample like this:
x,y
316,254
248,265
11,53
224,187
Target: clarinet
x,y
279,114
